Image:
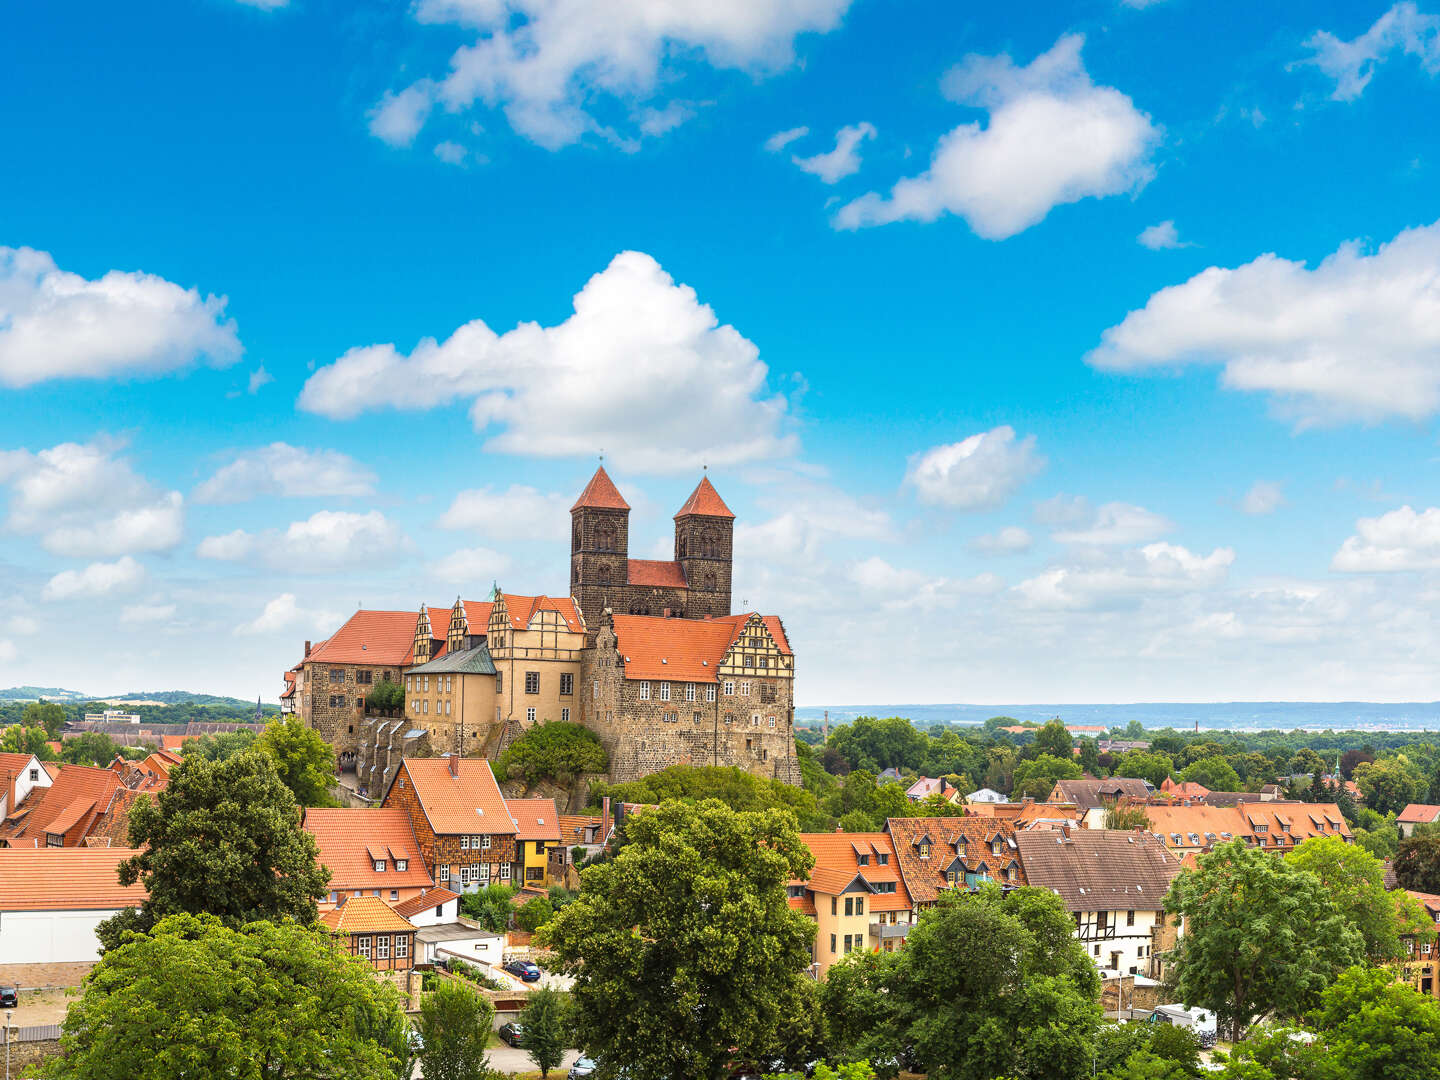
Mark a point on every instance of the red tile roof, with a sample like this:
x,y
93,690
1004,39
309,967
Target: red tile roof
x,y
683,650
176,742
1420,813
428,899
705,501
365,915
521,609
65,879
346,838
837,865
1100,869
601,493
925,878
656,572
535,819
383,638
78,795
470,804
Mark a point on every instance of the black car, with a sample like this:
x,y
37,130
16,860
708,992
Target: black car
x,y
512,1034
9,997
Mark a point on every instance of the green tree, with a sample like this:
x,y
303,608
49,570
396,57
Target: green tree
x,y
1089,757
454,1029
1127,816
1378,1029
304,760
1307,761
1417,863
876,745
47,715
557,750
1388,784
545,1021
222,838
195,997
1214,773
1055,740
1114,1043
1144,765
684,945
860,1018
1376,833
219,747
1355,881
89,748
1037,778
19,739
1177,1044
491,907
1145,1065
992,984
534,913
736,788
386,696
1261,936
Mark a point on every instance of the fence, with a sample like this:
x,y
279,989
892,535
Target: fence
x,y
37,1033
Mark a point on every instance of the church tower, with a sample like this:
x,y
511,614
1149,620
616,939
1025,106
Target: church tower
x,y
599,548
704,548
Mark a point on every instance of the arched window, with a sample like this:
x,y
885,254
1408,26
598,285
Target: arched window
x,y
575,534
680,545
710,544
605,575
708,583
606,536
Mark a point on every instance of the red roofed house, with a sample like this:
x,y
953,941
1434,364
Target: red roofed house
x,y
374,931
855,894
62,814
369,852
50,903
465,832
337,674
431,907
1416,814
1187,789
20,774
537,830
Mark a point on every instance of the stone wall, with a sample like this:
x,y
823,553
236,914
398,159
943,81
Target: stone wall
x,y
381,745
27,1058
339,723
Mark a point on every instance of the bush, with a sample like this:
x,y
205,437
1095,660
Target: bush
x,y
555,750
534,913
490,907
475,975
386,695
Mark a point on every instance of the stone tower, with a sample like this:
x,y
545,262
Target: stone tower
x,y
599,548
704,548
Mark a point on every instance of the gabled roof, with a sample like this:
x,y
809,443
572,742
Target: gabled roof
x,y
1419,813
426,900
535,819
1100,869
601,493
838,869
683,650
78,795
382,638
467,805
655,572
925,878
366,915
474,661
1088,794
704,501
521,609
346,837
65,879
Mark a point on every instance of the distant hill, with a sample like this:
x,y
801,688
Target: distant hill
x,y
49,693
173,697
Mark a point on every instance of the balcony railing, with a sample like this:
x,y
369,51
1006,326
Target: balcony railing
x,y
889,931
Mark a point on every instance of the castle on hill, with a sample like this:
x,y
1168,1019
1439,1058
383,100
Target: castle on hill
x,y
645,653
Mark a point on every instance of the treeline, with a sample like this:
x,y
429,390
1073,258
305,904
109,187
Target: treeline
x,y
13,712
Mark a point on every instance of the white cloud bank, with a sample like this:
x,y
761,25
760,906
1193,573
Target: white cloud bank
x,y
327,540
1130,575
287,471
642,370
97,579
285,613
553,65
1404,28
977,473
1161,237
1053,137
55,324
1356,338
1115,523
1399,540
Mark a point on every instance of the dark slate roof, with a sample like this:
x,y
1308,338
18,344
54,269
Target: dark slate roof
x,y
1088,794
1231,798
1099,869
474,661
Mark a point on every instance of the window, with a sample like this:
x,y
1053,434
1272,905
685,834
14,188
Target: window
x,y
439,911
337,675
505,871
530,715
859,905
709,693
379,866
532,682
697,717
425,706
425,683
749,661
539,847
849,909
464,843
499,682
832,943
884,858
564,716
447,708
690,691
1129,918
359,702
925,850
664,691
772,720
409,682
34,775
402,864
832,905
363,677
644,691
595,690
394,895
382,947
484,843
402,946
862,860
729,688
744,689
447,684
567,684
362,945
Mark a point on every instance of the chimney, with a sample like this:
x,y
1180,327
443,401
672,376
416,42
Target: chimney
x,y
455,766
307,650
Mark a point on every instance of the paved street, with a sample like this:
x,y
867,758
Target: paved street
x,y
509,1059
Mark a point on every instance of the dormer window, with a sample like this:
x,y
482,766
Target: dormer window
x,y
862,860
379,866
924,847
402,864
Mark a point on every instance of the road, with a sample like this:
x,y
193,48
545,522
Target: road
x,y
512,1060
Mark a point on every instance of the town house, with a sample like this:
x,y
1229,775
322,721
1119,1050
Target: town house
x,y
20,774
63,814
855,895
372,930
537,830
369,852
936,854
465,833
1094,797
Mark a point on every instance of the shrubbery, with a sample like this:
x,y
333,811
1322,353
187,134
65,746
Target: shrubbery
x,y
557,750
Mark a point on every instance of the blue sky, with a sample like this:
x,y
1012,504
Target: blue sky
x,y
1089,352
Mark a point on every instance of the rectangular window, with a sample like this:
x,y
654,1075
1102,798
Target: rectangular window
x,y
363,677
359,702
709,693
362,943
402,864
530,716
425,683
532,682
484,843
832,905
564,716
772,720
379,866
337,675
464,843
394,895
690,691
447,713
505,871
1129,918
697,716
849,907
749,661
664,691
859,905
744,689
644,691
567,684
402,946
409,682
499,682
595,690
832,943
382,947
425,706
729,688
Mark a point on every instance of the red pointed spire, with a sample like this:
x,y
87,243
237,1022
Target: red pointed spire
x,y
705,501
601,493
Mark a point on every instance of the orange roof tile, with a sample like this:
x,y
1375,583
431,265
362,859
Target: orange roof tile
x,y
685,650
345,837
16,764
601,493
535,819
1420,813
428,899
469,804
521,609
837,865
366,915
65,879
705,501
925,877
574,827
369,637
656,572
91,788
176,742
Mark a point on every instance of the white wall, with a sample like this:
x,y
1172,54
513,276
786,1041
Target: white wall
x,y
480,950
50,937
1133,943
24,785
449,912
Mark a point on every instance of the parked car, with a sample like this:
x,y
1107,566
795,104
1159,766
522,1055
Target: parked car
x,y
9,997
584,1067
512,1034
524,969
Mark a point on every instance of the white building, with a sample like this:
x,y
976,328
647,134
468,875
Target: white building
x,y
51,900
459,941
431,908
20,774
1112,882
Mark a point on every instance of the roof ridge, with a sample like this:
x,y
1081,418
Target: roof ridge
x,y
601,493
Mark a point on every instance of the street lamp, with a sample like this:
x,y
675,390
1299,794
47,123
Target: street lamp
x,y
8,1014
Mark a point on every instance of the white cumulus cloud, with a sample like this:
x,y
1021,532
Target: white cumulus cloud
x,y
1263,497
1117,523
287,471
1404,28
519,512
97,579
1011,540
55,324
327,540
562,69
144,614
1155,568
1400,540
844,160
976,473
1161,237
1053,137
285,613
893,588
1357,337
470,569
782,139
637,346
